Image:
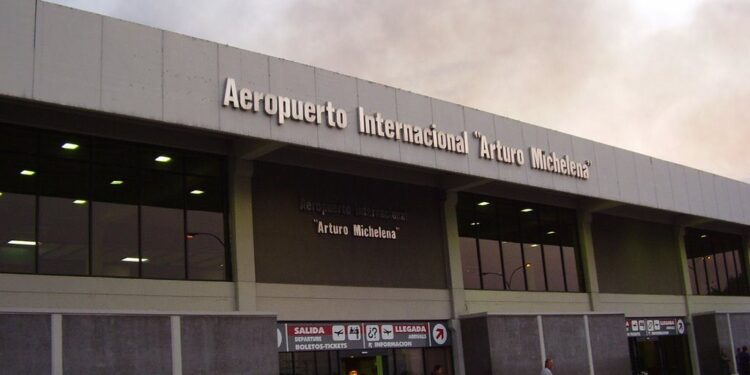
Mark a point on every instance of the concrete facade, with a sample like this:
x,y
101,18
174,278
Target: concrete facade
x,y
72,71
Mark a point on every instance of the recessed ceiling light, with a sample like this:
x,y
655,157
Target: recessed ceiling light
x,y
524,210
134,259
27,172
474,223
80,201
535,245
551,232
163,159
197,192
483,203
22,242
704,235
1,193
70,146
116,182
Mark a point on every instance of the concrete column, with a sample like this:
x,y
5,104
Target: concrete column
x,y
687,290
746,252
588,259
455,277
241,233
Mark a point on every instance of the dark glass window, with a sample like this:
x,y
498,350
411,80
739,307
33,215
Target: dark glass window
x,y
63,236
715,263
79,205
17,236
521,246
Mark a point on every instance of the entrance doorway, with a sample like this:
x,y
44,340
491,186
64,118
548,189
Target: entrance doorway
x,y
666,355
365,365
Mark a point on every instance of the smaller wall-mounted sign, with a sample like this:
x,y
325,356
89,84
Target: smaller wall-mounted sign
x,y
297,337
658,326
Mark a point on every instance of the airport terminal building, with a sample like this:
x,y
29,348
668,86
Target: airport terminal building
x,y
170,205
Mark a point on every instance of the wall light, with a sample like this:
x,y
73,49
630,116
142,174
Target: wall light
x,y
70,146
22,243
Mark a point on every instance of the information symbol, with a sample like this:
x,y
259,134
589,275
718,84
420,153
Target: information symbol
x,y
373,333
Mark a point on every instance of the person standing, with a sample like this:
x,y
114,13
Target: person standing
x,y
743,362
549,364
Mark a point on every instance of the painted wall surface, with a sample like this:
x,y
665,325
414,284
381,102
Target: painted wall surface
x,y
229,345
25,344
514,344
116,344
290,248
64,56
565,342
609,344
635,256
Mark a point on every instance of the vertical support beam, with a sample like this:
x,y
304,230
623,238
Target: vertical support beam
x,y
455,278
589,352
241,233
176,345
588,259
542,346
731,346
57,344
746,254
687,291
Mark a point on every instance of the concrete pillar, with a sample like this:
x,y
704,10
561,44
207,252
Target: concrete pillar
x,y
687,291
241,233
588,259
746,252
455,277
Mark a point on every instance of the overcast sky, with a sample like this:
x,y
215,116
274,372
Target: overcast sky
x,y
666,78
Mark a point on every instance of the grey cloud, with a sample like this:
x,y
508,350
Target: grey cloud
x,y
587,67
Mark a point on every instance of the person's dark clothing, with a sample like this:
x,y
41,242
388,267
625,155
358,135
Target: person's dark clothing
x,y
743,363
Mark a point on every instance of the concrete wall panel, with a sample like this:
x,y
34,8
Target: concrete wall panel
x,y
341,90
510,133
644,171
663,185
229,345
96,344
620,247
415,110
609,344
514,344
449,117
482,122
723,202
679,187
191,87
708,192
565,342
17,22
734,197
606,170
295,81
67,59
707,342
627,178
250,71
374,97
583,150
475,340
741,330
562,144
131,69
25,344
695,195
